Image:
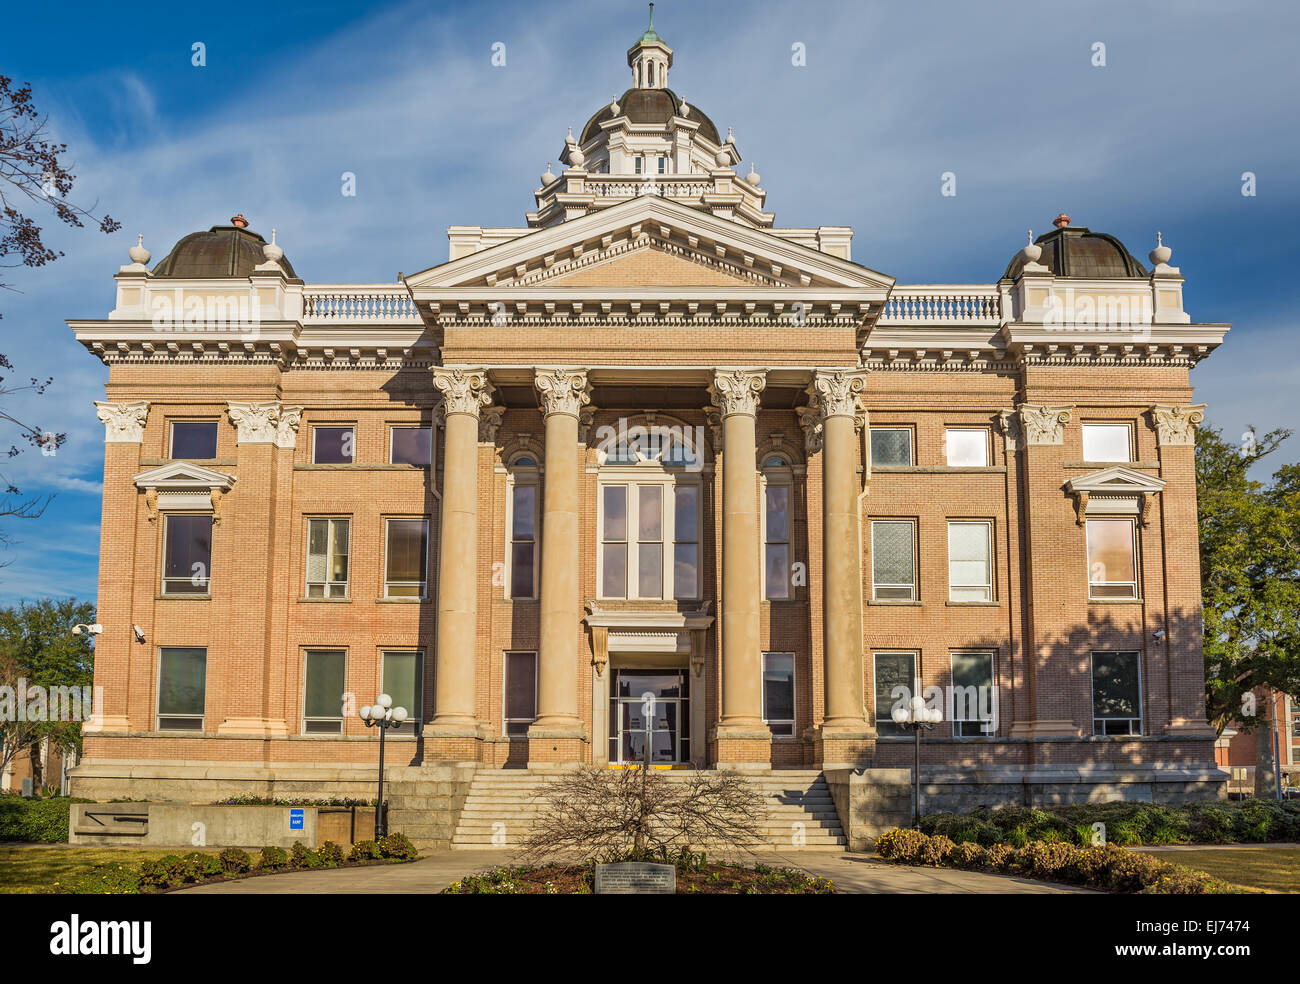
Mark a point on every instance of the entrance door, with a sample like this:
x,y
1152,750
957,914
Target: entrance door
x,y
659,698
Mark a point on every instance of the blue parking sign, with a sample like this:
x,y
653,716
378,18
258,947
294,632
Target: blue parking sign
x,y
295,819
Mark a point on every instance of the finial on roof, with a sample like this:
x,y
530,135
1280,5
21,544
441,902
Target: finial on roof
x,y
137,252
238,221
1160,255
271,251
1061,221
548,177
752,177
652,17
1031,237
731,136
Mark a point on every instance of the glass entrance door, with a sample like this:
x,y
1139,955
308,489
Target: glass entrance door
x,y
653,704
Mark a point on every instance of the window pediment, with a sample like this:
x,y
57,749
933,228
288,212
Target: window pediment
x,y
182,485
1116,491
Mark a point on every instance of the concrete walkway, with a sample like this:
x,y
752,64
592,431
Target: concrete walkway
x,y
851,873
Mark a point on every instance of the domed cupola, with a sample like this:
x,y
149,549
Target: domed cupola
x,y
650,58
1074,251
223,251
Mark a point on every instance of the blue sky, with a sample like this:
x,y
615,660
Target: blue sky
x,y
405,96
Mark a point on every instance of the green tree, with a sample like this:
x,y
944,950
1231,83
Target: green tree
x,y
37,646
1250,583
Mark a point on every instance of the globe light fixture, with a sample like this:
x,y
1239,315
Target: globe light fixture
x,y
914,715
382,715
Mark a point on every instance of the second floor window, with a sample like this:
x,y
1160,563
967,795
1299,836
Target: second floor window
x,y
649,540
187,553
523,539
327,557
966,447
410,446
1106,442
776,530
970,562
194,439
1112,558
333,445
891,446
406,561
893,560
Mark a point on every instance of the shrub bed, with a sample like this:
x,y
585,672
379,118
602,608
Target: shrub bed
x,y
1109,867
179,870
1215,822
40,821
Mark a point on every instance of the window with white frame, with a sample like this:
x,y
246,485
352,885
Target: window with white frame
x,y
410,445
333,445
896,684
182,687
966,447
891,446
519,693
406,558
403,680
1112,558
778,693
323,677
1116,693
893,560
1107,442
328,545
663,165
973,698
522,557
649,538
187,553
778,504
970,561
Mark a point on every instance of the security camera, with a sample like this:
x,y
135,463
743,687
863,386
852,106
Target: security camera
x,y
95,629
139,633
1158,634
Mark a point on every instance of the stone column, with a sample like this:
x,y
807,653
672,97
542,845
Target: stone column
x,y
741,739
453,734
846,739
556,737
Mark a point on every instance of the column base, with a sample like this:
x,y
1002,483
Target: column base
x,y
447,742
1045,729
742,747
556,746
844,746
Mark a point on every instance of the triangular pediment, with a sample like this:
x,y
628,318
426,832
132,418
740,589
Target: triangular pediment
x,y
183,475
598,249
1117,480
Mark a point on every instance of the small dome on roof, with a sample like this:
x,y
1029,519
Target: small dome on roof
x,y
651,106
223,251
1075,251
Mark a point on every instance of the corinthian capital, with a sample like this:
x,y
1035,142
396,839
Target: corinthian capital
x,y
736,390
1177,425
463,390
835,392
257,423
123,422
1043,425
562,390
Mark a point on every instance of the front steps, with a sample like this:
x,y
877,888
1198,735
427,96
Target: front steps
x,y
501,806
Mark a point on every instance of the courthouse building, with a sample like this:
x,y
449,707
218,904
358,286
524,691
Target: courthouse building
x,y
650,442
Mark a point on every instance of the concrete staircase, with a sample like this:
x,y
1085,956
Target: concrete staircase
x,y
502,803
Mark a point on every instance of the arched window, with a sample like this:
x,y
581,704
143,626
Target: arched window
x,y
523,490
778,515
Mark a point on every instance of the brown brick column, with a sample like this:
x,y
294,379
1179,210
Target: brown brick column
x,y
741,738
453,734
845,738
557,736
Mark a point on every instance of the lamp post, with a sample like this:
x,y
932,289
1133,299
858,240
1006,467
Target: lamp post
x,y
384,716
917,716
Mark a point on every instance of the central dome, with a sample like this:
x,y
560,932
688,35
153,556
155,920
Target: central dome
x,y
650,106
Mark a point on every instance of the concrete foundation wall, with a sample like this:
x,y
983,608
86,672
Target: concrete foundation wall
x,y
187,826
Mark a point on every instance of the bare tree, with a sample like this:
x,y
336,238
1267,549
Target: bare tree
x,y
594,813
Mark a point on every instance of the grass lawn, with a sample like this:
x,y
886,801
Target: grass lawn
x,y
1263,869
25,870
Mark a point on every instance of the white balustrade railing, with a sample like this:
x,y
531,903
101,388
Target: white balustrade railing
x,y
387,304
942,304
662,185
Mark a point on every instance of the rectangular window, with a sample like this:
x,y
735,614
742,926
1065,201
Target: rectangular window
x,y
182,688
404,682
1112,558
895,683
1107,442
974,701
970,562
663,165
891,446
686,541
776,533
966,447
613,536
187,561
778,693
523,541
410,446
893,560
650,541
1116,694
194,439
639,163
332,445
406,565
323,686
520,693
327,557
